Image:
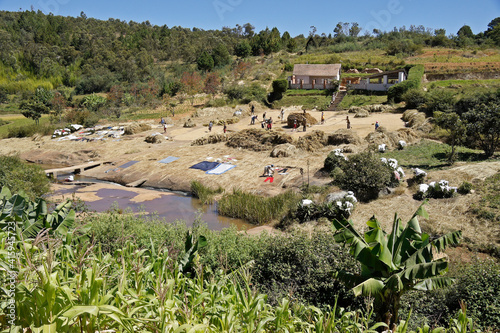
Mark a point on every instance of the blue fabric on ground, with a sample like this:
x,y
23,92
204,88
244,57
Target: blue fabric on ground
x,y
168,159
220,169
205,165
126,165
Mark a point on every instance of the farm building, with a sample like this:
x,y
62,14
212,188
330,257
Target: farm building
x,y
317,76
376,82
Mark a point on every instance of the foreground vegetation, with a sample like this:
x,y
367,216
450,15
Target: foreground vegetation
x,y
124,273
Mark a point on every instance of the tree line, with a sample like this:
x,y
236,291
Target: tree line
x,y
93,55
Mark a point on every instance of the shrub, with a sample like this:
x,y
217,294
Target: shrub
x,y
435,190
216,102
365,175
414,81
478,285
246,94
85,118
19,176
414,98
288,67
464,188
333,160
279,87
302,267
439,100
310,211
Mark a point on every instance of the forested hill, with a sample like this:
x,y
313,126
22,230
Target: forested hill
x,y
67,50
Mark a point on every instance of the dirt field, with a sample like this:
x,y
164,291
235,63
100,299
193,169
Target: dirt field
x,y
445,215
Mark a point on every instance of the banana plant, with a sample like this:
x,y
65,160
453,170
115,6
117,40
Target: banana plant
x,y
394,263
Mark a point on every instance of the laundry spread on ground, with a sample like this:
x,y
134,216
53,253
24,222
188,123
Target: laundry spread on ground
x,y
205,165
126,165
168,159
220,169
271,179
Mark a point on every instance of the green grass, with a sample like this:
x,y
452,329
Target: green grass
x,y
304,92
20,121
489,206
432,155
493,83
361,100
204,193
256,209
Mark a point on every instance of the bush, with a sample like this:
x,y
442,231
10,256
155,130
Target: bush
x,y
279,87
333,160
85,118
288,67
464,188
301,267
364,174
478,285
246,94
414,98
439,100
435,190
19,176
414,81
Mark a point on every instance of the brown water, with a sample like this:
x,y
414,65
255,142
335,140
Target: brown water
x,y
175,206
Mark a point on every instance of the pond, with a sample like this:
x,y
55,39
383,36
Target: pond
x,y
171,207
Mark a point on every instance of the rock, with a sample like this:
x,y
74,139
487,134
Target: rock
x,y
284,150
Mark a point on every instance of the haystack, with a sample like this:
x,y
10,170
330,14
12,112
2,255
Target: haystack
x,y
413,118
189,123
343,136
258,139
210,139
362,114
391,139
313,141
135,128
155,138
284,150
299,116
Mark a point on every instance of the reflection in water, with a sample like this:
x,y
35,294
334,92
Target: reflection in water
x,y
171,207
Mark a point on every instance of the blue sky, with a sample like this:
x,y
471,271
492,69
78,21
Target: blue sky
x,y
293,16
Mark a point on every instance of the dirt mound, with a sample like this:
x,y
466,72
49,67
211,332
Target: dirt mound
x,y
258,139
210,139
299,116
59,158
343,137
284,150
135,128
391,139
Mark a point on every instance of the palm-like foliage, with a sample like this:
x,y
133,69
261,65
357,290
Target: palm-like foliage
x,y
394,263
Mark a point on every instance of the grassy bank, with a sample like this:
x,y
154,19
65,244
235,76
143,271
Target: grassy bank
x,y
256,209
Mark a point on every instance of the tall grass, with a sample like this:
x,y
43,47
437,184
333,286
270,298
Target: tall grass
x,y
256,209
204,193
20,126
